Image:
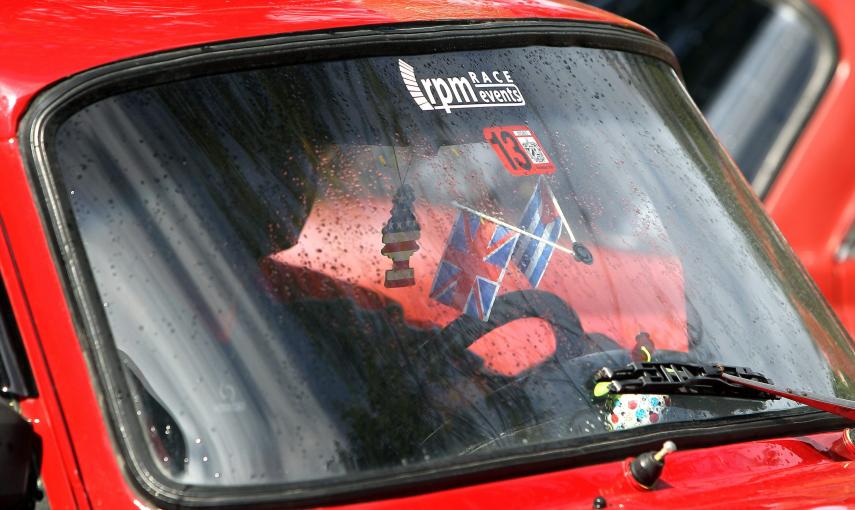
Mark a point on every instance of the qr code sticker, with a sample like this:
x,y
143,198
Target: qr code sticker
x,y
518,149
533,149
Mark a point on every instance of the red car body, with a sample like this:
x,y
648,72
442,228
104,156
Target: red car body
x,y
813,198
44,42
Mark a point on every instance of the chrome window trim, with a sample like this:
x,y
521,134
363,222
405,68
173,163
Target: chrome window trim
x,y
814,91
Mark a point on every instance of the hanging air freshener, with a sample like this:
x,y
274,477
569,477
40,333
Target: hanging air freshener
x,y
400,234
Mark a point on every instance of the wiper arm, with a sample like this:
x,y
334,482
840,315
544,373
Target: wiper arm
x,y
711,380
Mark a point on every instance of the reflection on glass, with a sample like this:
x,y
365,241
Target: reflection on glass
x,y
755,67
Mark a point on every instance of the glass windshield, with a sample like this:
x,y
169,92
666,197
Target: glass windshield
x,y
328,269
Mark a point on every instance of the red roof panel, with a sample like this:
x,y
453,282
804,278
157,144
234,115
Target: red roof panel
x,y
43,41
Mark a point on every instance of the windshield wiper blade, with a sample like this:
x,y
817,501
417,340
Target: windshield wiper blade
x,y
712,380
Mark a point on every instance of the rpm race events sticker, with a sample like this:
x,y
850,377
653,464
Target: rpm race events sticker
x,y
519,150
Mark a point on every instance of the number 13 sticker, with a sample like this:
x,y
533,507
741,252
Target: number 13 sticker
x,y
519,149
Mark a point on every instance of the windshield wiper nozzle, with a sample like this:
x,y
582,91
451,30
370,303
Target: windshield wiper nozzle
x,y
711,380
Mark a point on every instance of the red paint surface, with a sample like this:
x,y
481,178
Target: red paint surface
x,y
66,408
795,473
43,41
813,198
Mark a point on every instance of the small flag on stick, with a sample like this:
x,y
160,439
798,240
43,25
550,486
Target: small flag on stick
x,y
473,265
543,219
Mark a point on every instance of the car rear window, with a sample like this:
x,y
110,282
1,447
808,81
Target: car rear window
x,y
346,269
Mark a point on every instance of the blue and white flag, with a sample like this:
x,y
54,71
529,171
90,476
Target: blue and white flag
x,y
542,219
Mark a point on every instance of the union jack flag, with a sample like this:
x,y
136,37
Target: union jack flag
x,y
542,219
472,267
